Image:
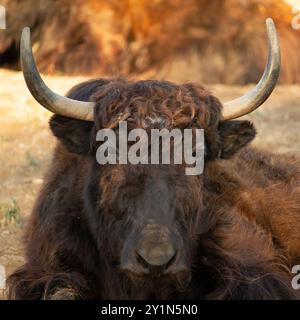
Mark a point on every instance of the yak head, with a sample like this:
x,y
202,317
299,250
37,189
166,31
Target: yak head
x,y
146,218
155,212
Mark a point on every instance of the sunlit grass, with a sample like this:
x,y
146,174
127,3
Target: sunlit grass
x,y
10,214
31,160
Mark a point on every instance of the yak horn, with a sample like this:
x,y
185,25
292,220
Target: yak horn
x,y
258,95
52,101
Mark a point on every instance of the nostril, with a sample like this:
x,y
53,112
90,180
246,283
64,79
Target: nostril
x,y
141,260
172,260
155,270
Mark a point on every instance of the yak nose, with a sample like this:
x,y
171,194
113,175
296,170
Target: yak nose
x,y
156,254
155,248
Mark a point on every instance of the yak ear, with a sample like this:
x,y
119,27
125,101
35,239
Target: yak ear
x,y
234,136
74,134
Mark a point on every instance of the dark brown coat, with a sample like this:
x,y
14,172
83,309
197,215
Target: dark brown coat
x,y
239,221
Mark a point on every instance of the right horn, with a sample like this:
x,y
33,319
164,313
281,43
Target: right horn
x,y
258,95
47,98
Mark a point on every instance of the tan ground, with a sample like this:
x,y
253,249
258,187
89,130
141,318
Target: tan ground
x,y
26,145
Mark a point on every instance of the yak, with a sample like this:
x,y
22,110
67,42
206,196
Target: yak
x,y
116,231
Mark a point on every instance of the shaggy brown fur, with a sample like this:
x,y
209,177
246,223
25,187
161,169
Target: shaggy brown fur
x,y
239,220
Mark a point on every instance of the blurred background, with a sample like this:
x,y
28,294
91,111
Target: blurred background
x,y
219,43
212,41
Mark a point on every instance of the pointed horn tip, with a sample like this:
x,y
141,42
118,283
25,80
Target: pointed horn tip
x,y
26,31
270,24
25,38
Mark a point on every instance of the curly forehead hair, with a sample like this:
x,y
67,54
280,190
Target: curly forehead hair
x,y
179,106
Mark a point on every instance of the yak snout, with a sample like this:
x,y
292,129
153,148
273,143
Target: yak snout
x,y
155,248
154,251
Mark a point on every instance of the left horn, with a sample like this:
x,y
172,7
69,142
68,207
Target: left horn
x,y
47,98
258,95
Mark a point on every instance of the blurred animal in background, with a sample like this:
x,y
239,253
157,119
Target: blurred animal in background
x,y
152,232
209,41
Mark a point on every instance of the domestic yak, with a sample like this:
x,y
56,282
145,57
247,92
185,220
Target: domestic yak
x,y
118,231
